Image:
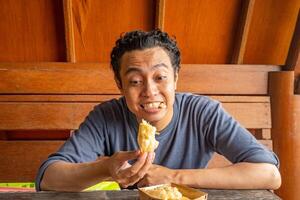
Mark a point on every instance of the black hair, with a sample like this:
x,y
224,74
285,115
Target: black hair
x,y
140,40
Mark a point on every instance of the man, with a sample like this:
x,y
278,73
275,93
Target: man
x,y
191,127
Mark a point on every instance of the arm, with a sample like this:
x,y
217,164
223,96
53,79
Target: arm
x,y
236,176
65,176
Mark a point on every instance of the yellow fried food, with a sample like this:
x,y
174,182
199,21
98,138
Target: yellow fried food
x,y
166,192
146,137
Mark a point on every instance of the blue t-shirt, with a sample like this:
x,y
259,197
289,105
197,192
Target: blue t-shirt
x,y
199,127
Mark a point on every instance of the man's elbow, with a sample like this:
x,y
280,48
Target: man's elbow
x,y
275,178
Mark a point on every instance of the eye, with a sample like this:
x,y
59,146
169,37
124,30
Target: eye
x,y
161,78
135,82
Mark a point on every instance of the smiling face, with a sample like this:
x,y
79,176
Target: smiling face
x,y
148,84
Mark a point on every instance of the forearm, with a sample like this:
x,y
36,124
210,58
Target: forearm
x,y
64,176
237,176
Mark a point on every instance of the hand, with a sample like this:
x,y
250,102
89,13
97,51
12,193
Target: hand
x,y
124,173
157,175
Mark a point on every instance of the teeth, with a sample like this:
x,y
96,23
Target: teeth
x,y
162,105
154,105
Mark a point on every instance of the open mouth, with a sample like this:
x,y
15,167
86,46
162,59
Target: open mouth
x,y
154,105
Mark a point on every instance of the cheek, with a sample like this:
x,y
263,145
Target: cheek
x,y
170,90
131,96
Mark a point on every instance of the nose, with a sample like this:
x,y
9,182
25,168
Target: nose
x,y
150,89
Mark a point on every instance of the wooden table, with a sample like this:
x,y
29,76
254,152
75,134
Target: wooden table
x,y
133,194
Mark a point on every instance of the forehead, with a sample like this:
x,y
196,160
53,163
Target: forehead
x,y
145,58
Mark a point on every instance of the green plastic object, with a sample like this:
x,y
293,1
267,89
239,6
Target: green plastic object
x,y
18,185
105,185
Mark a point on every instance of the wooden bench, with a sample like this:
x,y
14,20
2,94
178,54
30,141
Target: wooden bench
x,y
40,103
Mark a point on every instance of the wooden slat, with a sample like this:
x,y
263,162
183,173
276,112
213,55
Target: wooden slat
x,y
250,115
20,160
97,78
266,134
57,78
101,98
160,14
293,58
220,161
225,79
242,35
62,116
69,31
239,99
57,98
43,116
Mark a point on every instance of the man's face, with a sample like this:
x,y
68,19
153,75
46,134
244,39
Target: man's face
x,y
148,84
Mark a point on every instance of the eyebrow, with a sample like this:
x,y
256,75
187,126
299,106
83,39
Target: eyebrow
x,y
136,69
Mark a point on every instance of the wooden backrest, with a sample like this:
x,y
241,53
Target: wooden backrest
x,y
57,96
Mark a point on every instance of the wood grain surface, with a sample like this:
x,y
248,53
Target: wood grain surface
x,y
205,30
98,24
32,31
20,160
133,194
97,78
65,116
271,31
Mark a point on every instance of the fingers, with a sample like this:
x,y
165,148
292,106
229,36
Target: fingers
x,y
143,163
118,162
136,166
125,156
143,170
138,170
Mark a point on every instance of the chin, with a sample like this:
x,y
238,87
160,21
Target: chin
x,y
153,118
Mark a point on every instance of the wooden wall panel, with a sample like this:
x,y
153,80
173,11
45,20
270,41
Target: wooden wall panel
x,y
67,116
31,153
31,30
204,29
222,79
271,31
43,116
97,78
97,24
57,78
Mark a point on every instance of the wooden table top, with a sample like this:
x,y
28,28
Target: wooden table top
x,y
133,194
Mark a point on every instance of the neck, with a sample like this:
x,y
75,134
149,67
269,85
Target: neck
x,y
160,125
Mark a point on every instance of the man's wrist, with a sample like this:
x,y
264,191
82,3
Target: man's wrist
x,y
187,177
103,165
176,176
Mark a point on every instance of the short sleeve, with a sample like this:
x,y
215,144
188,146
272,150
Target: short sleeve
x,y
228,138
86,144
